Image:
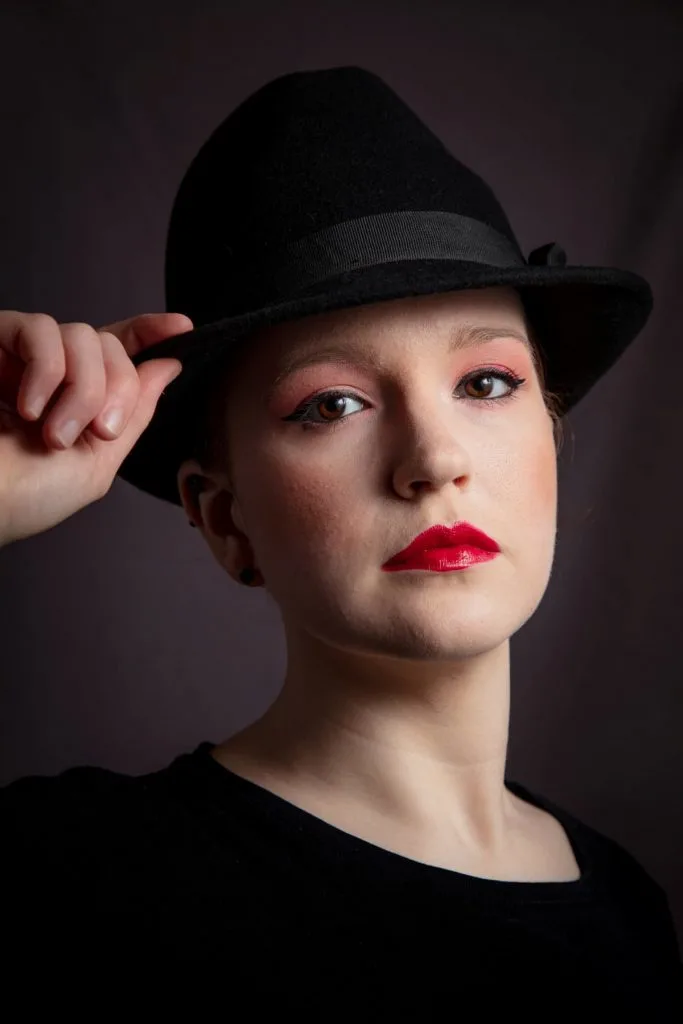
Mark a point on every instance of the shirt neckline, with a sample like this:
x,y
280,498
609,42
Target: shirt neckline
x,y
365,860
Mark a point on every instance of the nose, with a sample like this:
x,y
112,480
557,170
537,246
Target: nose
x,y
430,454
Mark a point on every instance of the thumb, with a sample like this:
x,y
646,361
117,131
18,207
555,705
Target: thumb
x,y
155,375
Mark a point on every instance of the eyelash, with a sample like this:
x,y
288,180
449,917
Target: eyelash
x,y
298,416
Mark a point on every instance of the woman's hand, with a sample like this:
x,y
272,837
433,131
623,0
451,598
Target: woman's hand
x,y
75,373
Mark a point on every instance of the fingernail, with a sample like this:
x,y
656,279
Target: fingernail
x,y
36,406
112,419
67,433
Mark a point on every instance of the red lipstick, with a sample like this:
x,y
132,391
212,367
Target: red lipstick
x,y
444,548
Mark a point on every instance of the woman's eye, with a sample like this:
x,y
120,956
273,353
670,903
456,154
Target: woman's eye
x,y
330,403
489,377
333,402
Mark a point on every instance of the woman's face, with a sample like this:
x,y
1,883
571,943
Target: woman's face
x,y
325,505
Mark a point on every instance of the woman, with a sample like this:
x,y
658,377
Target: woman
x,y
370,357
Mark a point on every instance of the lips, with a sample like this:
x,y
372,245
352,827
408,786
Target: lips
x,y
445,539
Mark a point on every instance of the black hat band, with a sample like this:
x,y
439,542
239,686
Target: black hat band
x,y
381,238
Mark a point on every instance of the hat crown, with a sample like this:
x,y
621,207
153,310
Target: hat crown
x,y
323,190
305,152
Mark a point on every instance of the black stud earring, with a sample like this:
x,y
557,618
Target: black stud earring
x,y
247,575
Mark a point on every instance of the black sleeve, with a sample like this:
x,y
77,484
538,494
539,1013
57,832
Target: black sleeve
x,y
56,852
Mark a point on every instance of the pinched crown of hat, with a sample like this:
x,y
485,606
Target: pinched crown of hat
x,y
324,190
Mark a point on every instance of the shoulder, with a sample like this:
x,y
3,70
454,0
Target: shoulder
x,y
53,825
35,800
609,861
86,818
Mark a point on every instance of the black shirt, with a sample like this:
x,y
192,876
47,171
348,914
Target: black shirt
x,y
194,862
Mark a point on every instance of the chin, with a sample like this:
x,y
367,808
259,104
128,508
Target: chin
x,y
442,630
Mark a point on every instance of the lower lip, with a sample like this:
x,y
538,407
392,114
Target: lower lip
x,y
443,559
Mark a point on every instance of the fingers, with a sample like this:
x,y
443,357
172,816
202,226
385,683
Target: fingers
x,y
79,374
33,341
154,376
83,369
122,389
139,332
84,385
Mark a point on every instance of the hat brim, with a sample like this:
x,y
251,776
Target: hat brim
x,y
583,319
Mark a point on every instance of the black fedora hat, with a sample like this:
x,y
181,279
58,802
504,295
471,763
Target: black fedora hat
x,y
324,190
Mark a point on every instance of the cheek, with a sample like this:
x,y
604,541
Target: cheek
x,y
540,472
535,484
298,508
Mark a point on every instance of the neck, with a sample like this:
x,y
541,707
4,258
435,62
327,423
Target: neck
x,y
362,735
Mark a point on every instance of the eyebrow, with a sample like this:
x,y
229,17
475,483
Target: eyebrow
x,y
465,336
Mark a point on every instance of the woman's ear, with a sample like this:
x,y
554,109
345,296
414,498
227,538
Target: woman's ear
x,y
219,515
191,482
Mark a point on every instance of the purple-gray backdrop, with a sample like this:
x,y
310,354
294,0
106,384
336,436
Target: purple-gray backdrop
x,y
123,644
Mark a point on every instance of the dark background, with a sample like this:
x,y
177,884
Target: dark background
x,y
123,643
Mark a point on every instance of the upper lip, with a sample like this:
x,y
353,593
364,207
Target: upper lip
x,y
446,536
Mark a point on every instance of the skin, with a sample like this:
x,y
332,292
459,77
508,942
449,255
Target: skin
x,y
393,719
